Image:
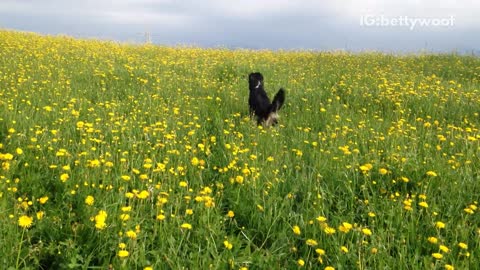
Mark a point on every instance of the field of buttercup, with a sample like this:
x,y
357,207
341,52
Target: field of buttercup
x,y
117,156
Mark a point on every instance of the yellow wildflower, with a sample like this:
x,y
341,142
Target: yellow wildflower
x,y
432,240
296,230
64,177
311,242
131,234
423,204
444,248
345,227
25,221
437,256
227,244
186,226
89,200
43,200
123,253
329,230
366,231
440,225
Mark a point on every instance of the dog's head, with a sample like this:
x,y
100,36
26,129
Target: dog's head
x,y
255,80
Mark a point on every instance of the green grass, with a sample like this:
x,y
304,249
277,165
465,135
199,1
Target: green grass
x,y
163,135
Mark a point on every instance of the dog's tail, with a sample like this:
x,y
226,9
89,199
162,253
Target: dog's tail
x,y
277,103
278,100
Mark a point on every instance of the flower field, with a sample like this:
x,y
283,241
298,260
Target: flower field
x,y
117,156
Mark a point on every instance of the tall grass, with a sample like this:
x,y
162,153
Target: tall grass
x,y
129,157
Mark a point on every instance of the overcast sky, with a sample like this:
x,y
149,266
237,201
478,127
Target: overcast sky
x,y
390,25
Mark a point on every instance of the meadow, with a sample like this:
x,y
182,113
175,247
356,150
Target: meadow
x,y
121,156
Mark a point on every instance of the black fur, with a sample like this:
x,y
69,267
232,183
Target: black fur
x,y
259,103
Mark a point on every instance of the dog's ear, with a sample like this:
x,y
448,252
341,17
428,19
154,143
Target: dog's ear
x,y
251,77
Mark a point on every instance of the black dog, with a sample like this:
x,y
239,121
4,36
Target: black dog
x,y
259,103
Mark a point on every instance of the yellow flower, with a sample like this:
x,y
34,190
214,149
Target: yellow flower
x,y
189,212
124,217
148,268
462,245
6,156
122,245
432,240
160,217
296,230
444,248
100,225
186,226
100,219
239,179
329,230
437,256
345,227
25,221
423,204
301,262
449,267
195,161
126,208
320,251
366,231
440,225
366,167
89,200
43,200
321,218
431,173
143,194
383,171
227,244
131,234
64,177
329,268
311,242
123,253
230,214
19,151
40,214
344,249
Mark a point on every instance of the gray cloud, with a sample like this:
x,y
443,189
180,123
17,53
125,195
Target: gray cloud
x,y
306,24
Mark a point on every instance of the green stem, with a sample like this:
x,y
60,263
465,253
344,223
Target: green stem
x,y
19,249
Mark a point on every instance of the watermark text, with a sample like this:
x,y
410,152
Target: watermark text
x,y
405,21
